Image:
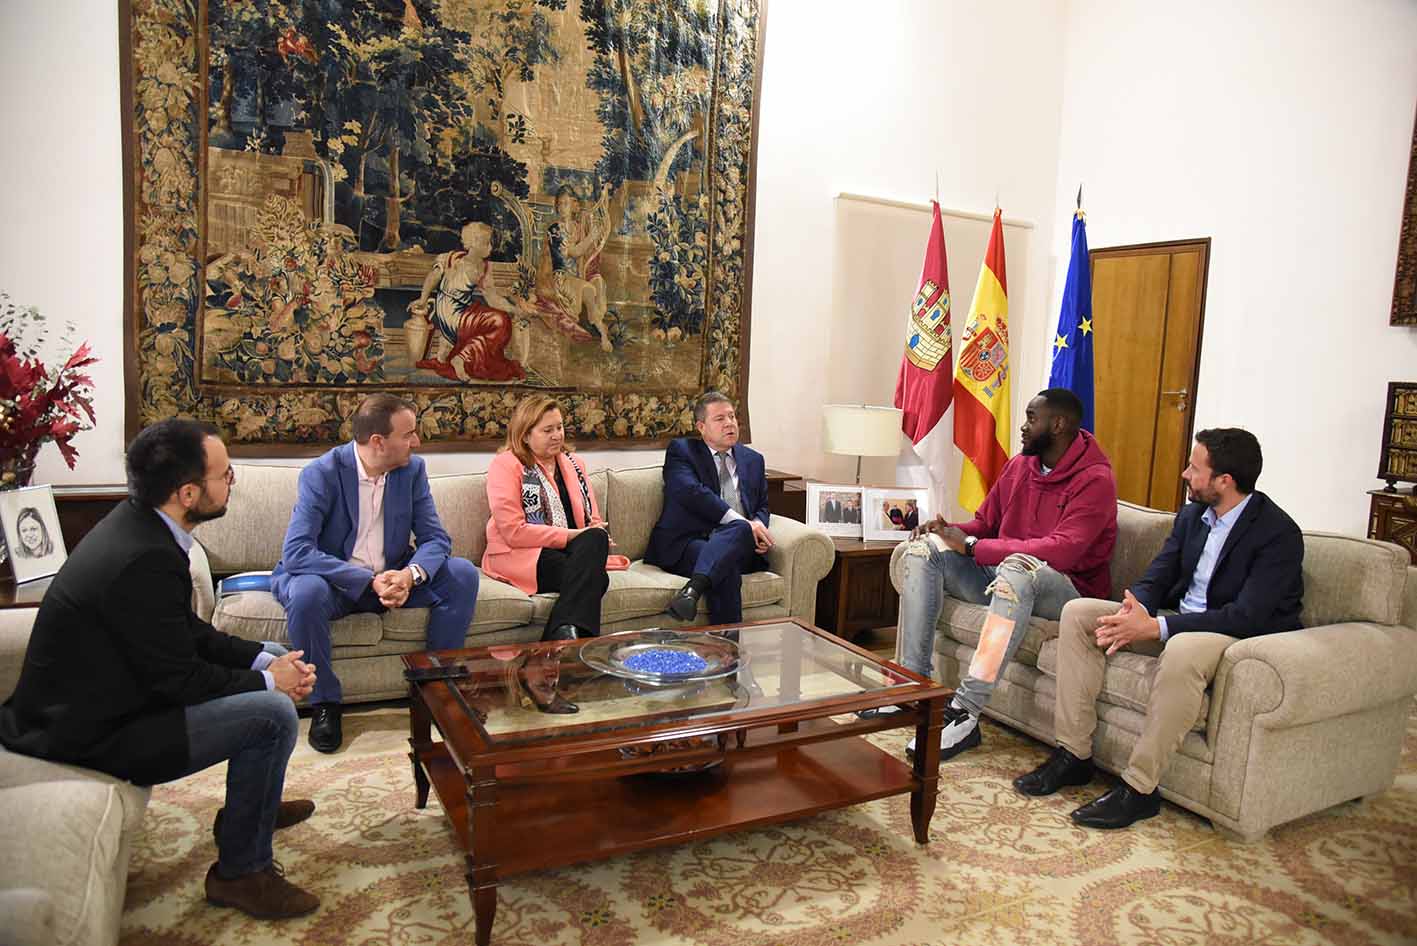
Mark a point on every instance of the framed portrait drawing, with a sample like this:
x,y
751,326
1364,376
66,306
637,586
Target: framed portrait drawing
x,y
835,510
892,513
32,537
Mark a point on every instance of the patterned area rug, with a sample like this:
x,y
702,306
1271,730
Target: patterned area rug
x,y
1000,869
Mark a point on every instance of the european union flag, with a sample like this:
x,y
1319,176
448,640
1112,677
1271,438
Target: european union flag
x,y
1072,346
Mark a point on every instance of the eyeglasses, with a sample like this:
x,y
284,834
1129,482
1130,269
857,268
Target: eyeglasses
x,y
229,476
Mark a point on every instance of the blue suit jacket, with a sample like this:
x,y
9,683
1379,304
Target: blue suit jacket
x,y
1257,586
692,505
325,521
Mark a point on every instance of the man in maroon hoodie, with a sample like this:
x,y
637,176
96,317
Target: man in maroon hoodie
x,y
1043,537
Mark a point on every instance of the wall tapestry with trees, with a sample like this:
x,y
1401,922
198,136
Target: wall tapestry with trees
x,y
457,200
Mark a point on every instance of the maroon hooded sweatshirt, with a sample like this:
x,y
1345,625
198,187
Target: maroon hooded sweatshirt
x,y
1068,518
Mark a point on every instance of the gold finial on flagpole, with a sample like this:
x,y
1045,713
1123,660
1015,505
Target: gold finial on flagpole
x,y
1078,214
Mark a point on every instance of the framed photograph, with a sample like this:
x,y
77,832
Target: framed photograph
x,y
836,510
32,537
892,513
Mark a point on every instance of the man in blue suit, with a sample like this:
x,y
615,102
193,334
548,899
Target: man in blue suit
x,y
347,549
714,526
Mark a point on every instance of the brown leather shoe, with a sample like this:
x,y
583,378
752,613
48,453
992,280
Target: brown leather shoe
x,y
291,812
266,894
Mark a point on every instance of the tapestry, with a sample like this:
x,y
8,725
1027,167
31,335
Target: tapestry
x,y
460,201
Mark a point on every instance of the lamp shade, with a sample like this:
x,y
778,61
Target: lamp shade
x,y
861,430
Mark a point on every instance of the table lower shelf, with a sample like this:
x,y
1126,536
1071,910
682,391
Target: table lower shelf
x,y
552,824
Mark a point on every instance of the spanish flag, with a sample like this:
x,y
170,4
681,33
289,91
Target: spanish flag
x,y
981,386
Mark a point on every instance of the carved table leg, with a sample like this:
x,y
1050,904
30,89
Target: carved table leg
x,y
482,859
927,768
420,738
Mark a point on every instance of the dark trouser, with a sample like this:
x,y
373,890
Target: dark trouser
x,y
725,556
577,574
312,604
256,733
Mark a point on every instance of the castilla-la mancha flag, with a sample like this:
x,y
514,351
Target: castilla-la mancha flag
x,y
923,387
981,388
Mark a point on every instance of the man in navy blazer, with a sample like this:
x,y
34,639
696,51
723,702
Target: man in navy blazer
x,y
347,549
1231,568
714,526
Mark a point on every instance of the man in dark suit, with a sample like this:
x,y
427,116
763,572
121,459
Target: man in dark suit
x,y
714,526
121,676
347,549
831,511
1230,569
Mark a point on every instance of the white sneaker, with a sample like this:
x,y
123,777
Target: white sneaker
x,y
960,732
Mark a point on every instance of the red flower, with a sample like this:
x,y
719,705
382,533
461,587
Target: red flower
x,y
37,406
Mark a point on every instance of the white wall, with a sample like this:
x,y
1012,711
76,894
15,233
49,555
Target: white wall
x,y
877,104
1282,131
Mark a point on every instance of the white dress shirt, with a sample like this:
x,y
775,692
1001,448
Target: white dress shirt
x,y
368,548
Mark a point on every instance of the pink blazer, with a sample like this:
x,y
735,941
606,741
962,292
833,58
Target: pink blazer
x,y
513,544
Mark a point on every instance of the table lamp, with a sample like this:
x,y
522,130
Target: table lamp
x,y
861,430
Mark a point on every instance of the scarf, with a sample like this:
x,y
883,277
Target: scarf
x,y
540,497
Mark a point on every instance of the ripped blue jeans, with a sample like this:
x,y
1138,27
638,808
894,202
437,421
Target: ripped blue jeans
x,y
1016,589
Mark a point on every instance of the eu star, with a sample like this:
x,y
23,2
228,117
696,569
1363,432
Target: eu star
x,y
1085,326
1059,344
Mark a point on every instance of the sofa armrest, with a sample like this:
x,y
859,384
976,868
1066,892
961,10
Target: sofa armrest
x,y
203,590
802,556
15,626
1323,672
898,566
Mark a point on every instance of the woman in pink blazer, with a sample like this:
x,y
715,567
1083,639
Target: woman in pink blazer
x,y
545,532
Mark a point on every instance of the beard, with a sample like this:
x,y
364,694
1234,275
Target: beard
x,y
1039,444
199,514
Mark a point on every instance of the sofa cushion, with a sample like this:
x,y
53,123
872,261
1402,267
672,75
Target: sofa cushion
x,y
28,916
644,590
1126,682
1141,532
1349,579
963,622
68,837
499,606
461,499
250,536
258,616
636,500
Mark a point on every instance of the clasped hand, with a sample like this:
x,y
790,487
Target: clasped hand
x,y
953,535
393,587
1130,623
762,538
293,676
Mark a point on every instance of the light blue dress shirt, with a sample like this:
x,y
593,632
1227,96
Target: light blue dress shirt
x,y
185,540
1195,597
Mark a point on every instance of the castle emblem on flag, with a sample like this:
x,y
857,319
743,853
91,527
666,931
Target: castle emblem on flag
x,y
983,354
928,334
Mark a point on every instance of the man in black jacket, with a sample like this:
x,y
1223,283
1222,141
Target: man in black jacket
x,y
1230,569
121,676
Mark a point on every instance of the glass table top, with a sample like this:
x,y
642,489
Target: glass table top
x,y
643,678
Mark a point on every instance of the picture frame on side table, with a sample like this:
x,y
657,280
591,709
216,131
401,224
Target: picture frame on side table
x,y
33,540
835,509
891,513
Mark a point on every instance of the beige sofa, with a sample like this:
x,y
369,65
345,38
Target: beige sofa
x,y
367,647
1292,724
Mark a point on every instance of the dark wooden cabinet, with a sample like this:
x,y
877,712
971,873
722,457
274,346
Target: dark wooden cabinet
x,y
857,595
1392,517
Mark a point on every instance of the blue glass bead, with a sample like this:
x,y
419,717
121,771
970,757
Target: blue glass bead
x,y
666,661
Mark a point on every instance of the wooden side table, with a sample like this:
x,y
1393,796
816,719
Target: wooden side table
x,y
1392,517
857,594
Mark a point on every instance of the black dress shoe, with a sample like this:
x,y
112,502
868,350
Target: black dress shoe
x,y
566,632
1062,768
325,731
685,603
1119,808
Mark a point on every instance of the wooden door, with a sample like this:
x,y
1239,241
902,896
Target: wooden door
x,y
1148,306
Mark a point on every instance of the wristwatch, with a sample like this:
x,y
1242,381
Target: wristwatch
x,y
970,541
418,576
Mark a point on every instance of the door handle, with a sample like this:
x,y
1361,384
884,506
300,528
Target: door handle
x,y
1181,395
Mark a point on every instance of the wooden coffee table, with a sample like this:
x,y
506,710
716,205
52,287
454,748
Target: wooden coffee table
x,y
638,766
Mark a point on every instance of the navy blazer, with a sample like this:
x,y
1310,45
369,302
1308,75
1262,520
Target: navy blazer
x,y
692,504
1257,586
325,523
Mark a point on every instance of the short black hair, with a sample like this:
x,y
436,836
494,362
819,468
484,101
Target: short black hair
x,y
1064,402
701,406
375,414
165,456
1233,451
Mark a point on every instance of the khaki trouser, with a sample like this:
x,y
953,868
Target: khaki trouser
x,y
1188,663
